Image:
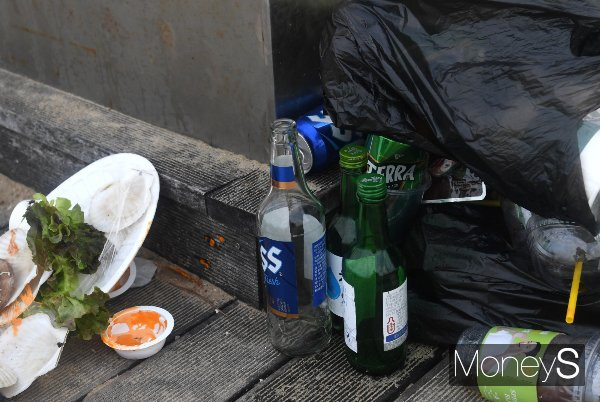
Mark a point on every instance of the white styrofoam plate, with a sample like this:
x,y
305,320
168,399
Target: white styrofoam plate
x,y
80,189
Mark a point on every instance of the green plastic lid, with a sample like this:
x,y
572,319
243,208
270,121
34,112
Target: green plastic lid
x,y
353,156
371,188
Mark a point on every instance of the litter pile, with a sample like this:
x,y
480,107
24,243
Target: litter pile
x,y
511,91
63,257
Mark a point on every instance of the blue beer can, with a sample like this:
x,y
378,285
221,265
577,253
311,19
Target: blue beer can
x,y
322,140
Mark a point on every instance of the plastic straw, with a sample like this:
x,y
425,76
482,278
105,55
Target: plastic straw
x,y
574,292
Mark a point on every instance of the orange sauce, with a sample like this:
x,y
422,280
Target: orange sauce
x,y
133,328
13,249
16,324
12,311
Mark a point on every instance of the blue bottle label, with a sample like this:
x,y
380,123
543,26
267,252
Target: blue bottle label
x,y
282,174
279,265
319,271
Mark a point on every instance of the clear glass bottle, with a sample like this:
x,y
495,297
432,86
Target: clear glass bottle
x,y
341,231
291,224
375,293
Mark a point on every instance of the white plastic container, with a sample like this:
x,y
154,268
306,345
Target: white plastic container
x,y
149,326
123,285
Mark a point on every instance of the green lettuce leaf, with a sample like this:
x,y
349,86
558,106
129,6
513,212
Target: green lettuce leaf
x,y
61,241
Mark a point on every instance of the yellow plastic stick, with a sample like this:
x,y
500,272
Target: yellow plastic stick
x,y
574,292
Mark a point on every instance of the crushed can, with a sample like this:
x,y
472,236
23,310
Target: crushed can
x,y
320,141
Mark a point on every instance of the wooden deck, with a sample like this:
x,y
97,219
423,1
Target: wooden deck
x,y
219,351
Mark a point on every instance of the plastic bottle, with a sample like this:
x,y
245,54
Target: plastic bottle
x,y
375,292
553,247
291,225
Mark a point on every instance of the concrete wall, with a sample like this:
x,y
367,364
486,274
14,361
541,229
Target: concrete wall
x,y
203,68
197,67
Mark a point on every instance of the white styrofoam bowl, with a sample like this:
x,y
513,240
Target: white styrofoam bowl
x,y
146,349
130,279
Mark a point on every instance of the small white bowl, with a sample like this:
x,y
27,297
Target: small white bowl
x,y
146,349
132,272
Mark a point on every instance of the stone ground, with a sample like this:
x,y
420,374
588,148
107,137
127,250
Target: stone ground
x,y
219,351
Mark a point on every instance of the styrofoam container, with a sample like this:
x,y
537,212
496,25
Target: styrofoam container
x,y
147,349
132,273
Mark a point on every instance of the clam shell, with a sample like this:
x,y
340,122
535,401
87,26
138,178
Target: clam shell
x,y
24,300
30,349
15,251
7,377
7,281
121,203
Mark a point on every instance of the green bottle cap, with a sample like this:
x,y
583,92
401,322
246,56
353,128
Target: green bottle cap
x,y
353,156
371,188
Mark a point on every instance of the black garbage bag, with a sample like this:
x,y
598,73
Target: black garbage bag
x,y
500,86
462,271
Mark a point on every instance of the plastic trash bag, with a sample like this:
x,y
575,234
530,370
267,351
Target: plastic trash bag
x,y
462,271
501,86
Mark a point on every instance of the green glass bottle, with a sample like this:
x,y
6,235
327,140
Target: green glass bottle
x,y
375,311
341,233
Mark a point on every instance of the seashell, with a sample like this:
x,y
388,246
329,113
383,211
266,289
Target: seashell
x,y
7,280
24,300
15,251
121,203
7,377
30,348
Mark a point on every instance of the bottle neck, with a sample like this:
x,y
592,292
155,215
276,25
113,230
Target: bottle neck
x,y
372,225
282,172
286,162
283,169
349,202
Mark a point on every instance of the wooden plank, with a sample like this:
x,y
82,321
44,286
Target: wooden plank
x,y
237,202
224,255
435,386
87,364
213,362
329,377
34,164
189,168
